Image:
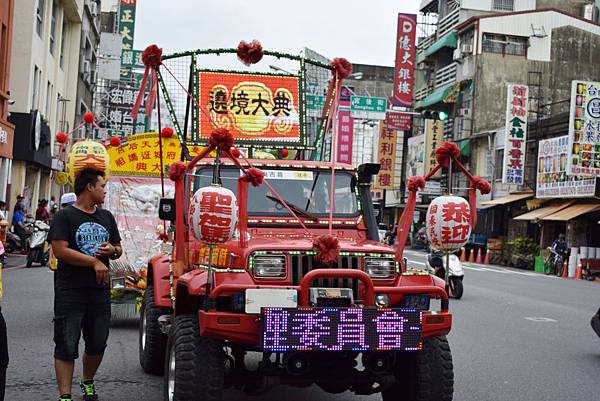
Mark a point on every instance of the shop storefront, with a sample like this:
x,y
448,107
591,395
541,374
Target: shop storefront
x,y
6,155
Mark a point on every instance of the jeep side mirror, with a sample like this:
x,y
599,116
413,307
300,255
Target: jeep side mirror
x,y
166,209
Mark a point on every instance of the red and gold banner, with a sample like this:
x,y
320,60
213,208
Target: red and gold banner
x,y
253,107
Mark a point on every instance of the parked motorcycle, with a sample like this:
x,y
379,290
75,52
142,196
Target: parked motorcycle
x,y
38,247
437,261
13,241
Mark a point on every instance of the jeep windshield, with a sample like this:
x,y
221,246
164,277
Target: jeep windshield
x,y
304,190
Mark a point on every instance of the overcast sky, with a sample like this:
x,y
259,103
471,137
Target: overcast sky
x,y
362,31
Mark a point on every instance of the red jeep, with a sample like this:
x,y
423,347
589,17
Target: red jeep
x,y
367,323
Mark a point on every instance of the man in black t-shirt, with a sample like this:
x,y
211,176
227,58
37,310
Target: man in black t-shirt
x,y
84,237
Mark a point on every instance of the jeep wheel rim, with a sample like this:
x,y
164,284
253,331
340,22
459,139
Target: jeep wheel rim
x,y
171,375
144,325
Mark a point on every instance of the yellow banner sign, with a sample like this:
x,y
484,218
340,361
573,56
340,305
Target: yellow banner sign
x,y
387,158
141,154
434,137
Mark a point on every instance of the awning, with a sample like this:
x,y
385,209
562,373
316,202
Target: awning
x,y
465,147
539,214
436,97
508,199
450,40
572,211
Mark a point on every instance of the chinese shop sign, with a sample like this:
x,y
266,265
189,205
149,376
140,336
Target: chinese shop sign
x,y
553,180
584,129
516,134
434,137
387,158
253,107
121,97
127,22
372,108
398,120
140,155
345,133
132,59
405,60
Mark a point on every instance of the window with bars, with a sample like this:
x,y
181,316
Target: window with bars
x,y
63,37
498,164
504,5
504,44
53,28
39,21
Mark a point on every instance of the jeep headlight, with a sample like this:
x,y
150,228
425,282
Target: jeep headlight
x,y
380,268
269,266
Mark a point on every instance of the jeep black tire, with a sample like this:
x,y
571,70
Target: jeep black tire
x,y
457,287
152,341
195,365
424,376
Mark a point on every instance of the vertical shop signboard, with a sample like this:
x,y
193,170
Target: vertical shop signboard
x,y
404,72
387,157
434,137
127,22
553,179
584,129
345,133
513,171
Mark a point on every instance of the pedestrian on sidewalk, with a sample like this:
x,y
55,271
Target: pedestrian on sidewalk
x,y
84,238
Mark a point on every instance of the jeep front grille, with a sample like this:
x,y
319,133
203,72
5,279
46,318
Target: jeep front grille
x,y
302,264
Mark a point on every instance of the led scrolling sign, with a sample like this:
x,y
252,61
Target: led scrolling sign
x,y
340,329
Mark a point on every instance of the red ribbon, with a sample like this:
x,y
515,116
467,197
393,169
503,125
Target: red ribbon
x,y
152,58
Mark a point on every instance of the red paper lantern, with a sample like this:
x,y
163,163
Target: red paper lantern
x,y
167,132
448,223
213,215
115,141
61,137
285,152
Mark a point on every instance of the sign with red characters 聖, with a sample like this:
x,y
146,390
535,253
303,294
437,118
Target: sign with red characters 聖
x,y
213,214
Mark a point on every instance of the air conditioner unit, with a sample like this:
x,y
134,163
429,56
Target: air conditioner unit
x,y
464,113
94,8
466,49
457,55
87,68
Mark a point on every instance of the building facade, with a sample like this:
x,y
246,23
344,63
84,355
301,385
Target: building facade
x,y
45,62
475,50
7,129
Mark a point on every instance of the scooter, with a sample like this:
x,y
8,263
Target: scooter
x,y
437,261
38,247
13,241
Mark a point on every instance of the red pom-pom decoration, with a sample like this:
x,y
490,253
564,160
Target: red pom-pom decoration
x,y
444,153
482,185
115,141
285,152
221,138
254,176
342,67
327,248
416,183
177,171
88,118
167,132
152,56
61,137
235,153
250,53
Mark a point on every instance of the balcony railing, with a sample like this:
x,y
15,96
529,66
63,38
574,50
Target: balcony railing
x,y
422,93
445,76
448,23
425,43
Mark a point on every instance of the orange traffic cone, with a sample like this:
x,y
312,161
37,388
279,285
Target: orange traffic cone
x,y
472,256
486,260
578,273
565,270
479,256
463,256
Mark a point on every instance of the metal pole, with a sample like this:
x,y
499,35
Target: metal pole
x,y
447,269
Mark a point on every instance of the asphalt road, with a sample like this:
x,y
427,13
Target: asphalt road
x,y
517,336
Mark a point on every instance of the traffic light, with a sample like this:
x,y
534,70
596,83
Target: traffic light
x,y
434,115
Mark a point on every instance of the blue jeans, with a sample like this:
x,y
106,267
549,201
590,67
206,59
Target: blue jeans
x,y
78,310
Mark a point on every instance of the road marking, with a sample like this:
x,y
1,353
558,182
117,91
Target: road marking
x,y
539,319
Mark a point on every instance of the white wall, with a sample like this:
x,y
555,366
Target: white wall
x,y
486,5
520,25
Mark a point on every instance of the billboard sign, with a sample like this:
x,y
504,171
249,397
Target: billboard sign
x,y
404,77
513,169
387,157
584,129
253,107
553,179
